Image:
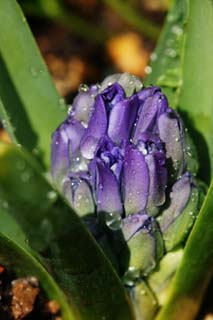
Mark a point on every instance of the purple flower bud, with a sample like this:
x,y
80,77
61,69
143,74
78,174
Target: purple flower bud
x,y
116,156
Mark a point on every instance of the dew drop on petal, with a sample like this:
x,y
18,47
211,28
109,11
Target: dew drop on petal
x,y
131,276
113,221
83,87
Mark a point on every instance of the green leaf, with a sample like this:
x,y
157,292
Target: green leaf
x,y
166,68
183,67
190,91
15,253
29,104
195,270
196,94
55,232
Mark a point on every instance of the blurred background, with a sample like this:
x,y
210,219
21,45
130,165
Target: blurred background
x,y
82,41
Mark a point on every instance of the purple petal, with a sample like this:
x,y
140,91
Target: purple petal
x,y
135,180
78,193
132,224
106,188
65,146
111,154
149,112
179,197
83,103
122,118
96,129
158,178
171,134
147,92
112,95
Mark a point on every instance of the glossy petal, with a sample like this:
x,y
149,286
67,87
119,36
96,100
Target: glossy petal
x,y
171,134
96,129
65,146
106,188
150,110
133,223
122,118
158,178
83,104
179,197
177,220
135,181
112,95
78,193
111,154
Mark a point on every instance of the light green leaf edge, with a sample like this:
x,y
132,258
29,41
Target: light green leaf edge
x,y
15,253
30,107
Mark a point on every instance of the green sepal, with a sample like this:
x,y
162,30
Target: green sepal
x,y
160,280
180,226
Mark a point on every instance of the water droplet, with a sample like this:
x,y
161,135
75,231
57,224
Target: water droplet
x,y
4,123
25,177
5,205
177,139
153,56
191,213
34,72
171,52
52,195
69,111
142,292
62,103
35,151
100,186
113,221
148,69
83,87
131,276
177,30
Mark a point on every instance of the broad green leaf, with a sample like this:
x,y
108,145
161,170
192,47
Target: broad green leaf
x,y
196,94
29,104
195,271
15,253
191,93
55,232
166,60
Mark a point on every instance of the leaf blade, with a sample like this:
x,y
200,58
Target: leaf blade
x,y
27,92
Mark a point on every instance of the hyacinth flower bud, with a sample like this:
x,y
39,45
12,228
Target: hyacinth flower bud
x,y
122,156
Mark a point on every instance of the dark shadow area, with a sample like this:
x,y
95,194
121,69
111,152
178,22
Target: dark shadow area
x,y
112,243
